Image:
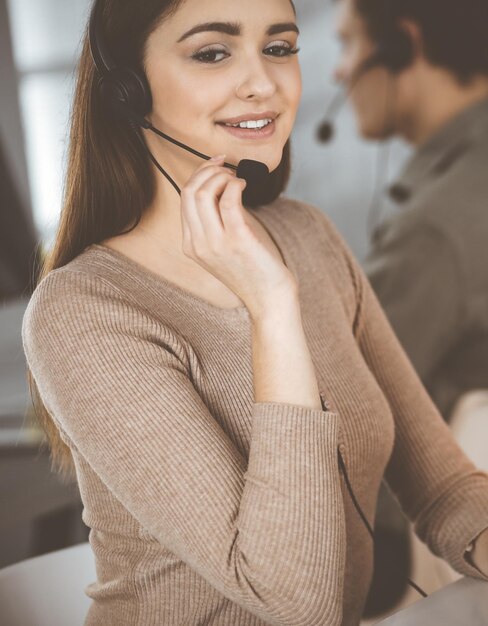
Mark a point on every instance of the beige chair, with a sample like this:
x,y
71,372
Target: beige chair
x,y
48,590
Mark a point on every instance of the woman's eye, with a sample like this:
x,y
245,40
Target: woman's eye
x,y
210,56
216,55
280,50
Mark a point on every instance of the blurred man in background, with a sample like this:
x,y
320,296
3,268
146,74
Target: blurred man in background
x,y
418,70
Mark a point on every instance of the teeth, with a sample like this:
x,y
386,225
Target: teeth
x,y
252,124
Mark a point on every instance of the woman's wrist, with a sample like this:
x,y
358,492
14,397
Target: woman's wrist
x,y
282,304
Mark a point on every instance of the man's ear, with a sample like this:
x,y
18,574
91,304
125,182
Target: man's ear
x,y
414,32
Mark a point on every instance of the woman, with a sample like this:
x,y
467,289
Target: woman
x,y
202,369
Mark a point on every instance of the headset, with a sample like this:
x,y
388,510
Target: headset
x,y
127,92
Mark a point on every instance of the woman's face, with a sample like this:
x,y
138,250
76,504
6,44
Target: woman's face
x,y
218,62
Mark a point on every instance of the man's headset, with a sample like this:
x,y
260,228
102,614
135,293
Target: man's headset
x,y
127,92
395,51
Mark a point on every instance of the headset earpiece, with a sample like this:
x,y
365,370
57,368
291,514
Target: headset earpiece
x,y
123,88
126,91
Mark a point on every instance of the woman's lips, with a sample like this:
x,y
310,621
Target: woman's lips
x,y
251,133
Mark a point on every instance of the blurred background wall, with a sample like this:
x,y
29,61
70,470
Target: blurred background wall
x,y
39,43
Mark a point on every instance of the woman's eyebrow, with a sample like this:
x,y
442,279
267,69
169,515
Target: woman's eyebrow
x,y
276,29
231,28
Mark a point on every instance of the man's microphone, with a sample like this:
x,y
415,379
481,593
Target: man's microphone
x,y
325,131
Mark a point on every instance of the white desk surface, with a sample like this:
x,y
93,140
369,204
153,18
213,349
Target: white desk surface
x,y
462,603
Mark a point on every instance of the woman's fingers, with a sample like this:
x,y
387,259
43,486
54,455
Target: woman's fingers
x,y
203,228
207,205
203,173
190,216
231,209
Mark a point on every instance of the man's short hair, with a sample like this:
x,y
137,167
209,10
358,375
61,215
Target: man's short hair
x,y
455,32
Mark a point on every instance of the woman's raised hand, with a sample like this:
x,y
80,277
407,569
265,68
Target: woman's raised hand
x,y
219,235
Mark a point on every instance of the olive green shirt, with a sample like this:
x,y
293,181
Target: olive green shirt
x,y
429,261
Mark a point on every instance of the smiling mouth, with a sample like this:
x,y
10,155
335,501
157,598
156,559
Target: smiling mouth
x,y
251,124
250,129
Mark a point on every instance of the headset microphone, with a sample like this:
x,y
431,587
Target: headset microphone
x,y
325,131
256,175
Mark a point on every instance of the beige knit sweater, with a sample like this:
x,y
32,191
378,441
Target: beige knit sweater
x,y
207,508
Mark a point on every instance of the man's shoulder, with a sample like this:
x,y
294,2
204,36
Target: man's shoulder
x,y
453,197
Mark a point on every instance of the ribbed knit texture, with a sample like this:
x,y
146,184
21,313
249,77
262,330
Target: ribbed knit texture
x,y
208,508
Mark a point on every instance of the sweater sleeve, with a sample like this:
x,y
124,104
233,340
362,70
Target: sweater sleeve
x,y
443,493
438,487
269,536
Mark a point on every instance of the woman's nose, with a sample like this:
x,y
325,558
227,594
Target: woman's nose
x,y
258,84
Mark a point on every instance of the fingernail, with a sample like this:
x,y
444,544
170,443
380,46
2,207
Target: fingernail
x,y
218,158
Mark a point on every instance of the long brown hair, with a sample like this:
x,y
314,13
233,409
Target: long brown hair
x,y
110,179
